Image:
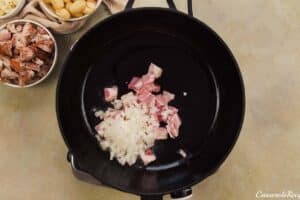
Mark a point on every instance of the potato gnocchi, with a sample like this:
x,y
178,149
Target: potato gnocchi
x,y
68,9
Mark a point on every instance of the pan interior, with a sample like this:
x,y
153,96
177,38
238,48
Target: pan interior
x,y
185,73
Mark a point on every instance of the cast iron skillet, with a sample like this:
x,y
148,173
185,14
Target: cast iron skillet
x,y
195,61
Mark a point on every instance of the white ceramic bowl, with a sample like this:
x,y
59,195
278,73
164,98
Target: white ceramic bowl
x,y
21,21
15,11
51,13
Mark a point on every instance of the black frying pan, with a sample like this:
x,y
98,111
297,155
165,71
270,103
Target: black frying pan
x,y
195,60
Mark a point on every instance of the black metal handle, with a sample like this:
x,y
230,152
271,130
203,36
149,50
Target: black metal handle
x,y
178,195
182,194
152,197
170,3
80,174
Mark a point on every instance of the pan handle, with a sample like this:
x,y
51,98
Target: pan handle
x,y
80,174
182,194
170,3
152,197
178,195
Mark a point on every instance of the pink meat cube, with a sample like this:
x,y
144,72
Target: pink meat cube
x,y
135,84
155,70
168,96
26,53
29,30
148,156
173,125
5,35
110,93
148,78
150,87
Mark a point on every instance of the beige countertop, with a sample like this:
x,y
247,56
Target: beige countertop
x,y
265,38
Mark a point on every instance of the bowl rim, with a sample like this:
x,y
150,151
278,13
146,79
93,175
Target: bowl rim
x,y
14,11
54,58
46,9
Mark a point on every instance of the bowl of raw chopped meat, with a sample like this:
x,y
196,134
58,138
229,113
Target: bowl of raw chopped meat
x,y
28,53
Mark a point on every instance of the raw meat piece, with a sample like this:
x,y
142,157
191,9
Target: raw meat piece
x,y
5,35
110,93
26,53
135,84
155,70
148,157
6,48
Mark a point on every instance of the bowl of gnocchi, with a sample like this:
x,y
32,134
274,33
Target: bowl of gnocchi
x,y
70,10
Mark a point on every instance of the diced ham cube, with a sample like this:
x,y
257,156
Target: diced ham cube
x,y
5,35
110,93
45,45
22,79
147,98
155,88
176,120
5,61
6,73
163,115
164,99
148,152
147,156
173,132
16,64
25,77
6,48
38,61
32,66
161,133
150,100
150,87
30,73
135,84
26,53
41,37
173,109
29,30
173,125
160,101
19,40
168,96
148,78
155,70
165,112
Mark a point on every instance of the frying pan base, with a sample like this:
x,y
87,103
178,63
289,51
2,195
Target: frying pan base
x,y
185,73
